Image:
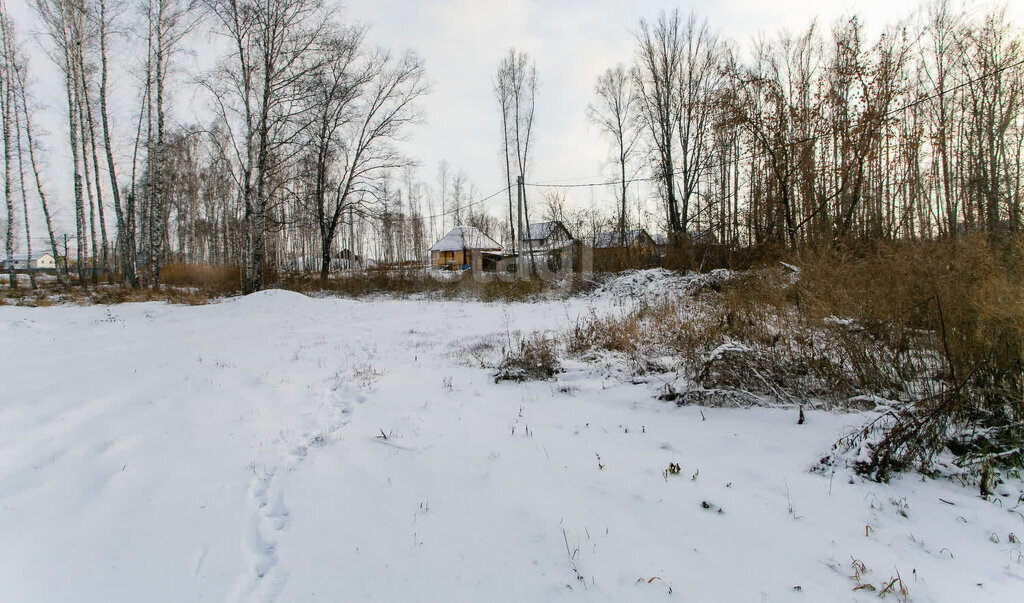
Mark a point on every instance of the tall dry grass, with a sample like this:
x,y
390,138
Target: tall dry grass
x,y
934,327
213,279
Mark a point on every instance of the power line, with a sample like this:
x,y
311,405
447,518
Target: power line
x,y
955,88
753,154
587,184
468,205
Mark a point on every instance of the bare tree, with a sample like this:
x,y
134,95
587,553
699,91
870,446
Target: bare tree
x,y
255,92
24,116
330,92
125,232
11,83
503,87
616,113
938,66
992,59
458,183
775,97
516,88
64,22
168,22
361,102
656,76
6,116
699,83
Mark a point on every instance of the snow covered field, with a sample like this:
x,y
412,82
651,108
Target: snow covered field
x,y
278,447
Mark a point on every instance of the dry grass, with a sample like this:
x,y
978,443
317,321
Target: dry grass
x,y
195,284
962,305
417,282
104,294
936,328
215,280
529,358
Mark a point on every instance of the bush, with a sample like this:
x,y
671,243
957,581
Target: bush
x,y
530,358
933,329
958,304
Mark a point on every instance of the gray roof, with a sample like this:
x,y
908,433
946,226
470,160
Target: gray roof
x,y
547,236
465,237
604,240
541,231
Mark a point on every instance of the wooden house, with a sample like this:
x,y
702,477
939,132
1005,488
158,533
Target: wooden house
x,y
455,250
549,242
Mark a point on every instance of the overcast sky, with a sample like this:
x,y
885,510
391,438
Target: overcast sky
x,y
572,42
462,41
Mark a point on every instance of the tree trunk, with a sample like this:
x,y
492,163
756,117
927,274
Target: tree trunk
x,y
125,235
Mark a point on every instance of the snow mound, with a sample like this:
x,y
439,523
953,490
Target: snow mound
x,y
273,298
657,282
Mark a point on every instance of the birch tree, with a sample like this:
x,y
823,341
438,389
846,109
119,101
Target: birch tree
x,y
64,22
615,113
6,117
516,87
273,47
168,22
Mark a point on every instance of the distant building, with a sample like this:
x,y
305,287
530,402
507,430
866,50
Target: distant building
x,y
347,260
613,252
41,261
548,236
549,242
456,249
636,239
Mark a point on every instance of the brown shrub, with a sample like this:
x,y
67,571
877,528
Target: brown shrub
x,y
208,277
935,327
951,314
530,358
370,282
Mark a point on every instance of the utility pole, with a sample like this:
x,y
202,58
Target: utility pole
x,y
524,235
520,265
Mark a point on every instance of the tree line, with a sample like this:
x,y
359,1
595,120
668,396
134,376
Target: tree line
x,y
820,137
306,113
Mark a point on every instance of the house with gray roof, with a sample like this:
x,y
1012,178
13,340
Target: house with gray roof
x,y
456,249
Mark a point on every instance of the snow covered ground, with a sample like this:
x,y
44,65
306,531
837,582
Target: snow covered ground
x,y
278,447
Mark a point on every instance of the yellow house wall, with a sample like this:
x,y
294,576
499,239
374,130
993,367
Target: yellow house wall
x,y
440,259
450,258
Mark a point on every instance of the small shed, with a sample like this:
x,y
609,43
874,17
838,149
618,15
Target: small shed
x,y
456,249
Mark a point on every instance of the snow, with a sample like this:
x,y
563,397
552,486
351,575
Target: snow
x,y
465,237
281,447
656,283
